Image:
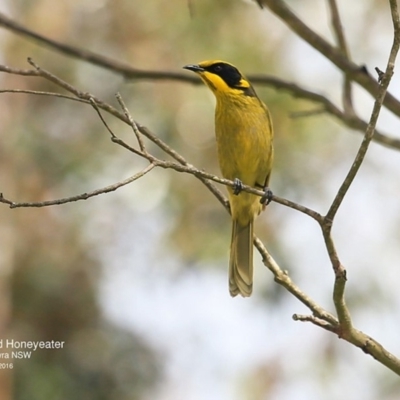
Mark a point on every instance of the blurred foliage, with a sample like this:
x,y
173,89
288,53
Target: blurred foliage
x,y
51,148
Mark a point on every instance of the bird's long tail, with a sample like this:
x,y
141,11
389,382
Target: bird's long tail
x,y
241,260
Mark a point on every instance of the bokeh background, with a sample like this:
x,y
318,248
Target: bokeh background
x,y
135,281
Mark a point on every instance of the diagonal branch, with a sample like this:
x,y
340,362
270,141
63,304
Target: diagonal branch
x,y
341,41
369,131
123,68
351,120
283,279
355,72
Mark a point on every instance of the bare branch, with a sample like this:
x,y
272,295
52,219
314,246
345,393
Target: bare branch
x,y
124,69
92,101
52,78
83,196
349,119
368,134
40,93
316,321
359,339
132,123
340,38
355,72
16,71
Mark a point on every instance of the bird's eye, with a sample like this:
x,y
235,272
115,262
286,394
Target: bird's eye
x,y
218,68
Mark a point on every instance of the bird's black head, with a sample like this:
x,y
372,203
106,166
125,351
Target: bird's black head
x,y
221,76
227,72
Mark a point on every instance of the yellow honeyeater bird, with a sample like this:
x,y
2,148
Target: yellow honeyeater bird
x,y
244,134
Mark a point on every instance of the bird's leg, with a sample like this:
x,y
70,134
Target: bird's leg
x,y
238,186
267,197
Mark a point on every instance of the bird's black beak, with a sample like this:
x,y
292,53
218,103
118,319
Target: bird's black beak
x,y
194,68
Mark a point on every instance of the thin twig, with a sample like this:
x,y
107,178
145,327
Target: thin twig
x,y
41,93
83,196
17,71
367,344
341,41
316,321
92,101
132,123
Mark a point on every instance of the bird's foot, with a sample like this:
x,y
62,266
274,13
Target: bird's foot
x,y
238,186
267,197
